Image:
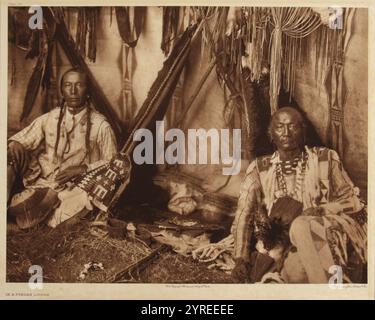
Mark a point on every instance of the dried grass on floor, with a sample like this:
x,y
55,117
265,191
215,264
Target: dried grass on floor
x,y
175,268
63,254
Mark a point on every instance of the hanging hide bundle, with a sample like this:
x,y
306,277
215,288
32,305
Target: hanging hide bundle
x,y
256,38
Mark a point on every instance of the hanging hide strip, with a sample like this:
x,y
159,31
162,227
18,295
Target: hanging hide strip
x,y
43,44
213,35
86,31
130,29
93,14
81,32
130,22
171,18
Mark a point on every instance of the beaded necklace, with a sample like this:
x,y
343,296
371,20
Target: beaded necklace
x,y
298,165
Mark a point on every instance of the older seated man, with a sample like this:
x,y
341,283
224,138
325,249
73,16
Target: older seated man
x,y
302,210
56,148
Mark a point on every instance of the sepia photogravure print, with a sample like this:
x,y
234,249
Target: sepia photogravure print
x,y
180,144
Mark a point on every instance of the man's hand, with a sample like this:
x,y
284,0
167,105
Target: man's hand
x,y
241,271
70,173
19,154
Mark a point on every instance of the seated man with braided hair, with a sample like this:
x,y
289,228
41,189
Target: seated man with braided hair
x,y
299,214
56,148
